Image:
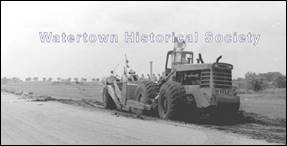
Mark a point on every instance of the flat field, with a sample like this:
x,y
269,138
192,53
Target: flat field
x,y
263,114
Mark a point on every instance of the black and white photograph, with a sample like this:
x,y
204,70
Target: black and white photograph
x,y
143,72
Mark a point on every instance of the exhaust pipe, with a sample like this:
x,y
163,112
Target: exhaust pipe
x,y
218,58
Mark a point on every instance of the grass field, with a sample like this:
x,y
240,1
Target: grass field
x,y
59,90
271,102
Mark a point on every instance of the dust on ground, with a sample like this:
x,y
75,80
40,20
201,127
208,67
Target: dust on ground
x,y
245,123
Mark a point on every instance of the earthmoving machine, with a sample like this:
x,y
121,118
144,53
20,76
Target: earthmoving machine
x,y
187,90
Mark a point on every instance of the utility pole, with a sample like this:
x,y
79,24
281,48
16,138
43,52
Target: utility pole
x,y
151,68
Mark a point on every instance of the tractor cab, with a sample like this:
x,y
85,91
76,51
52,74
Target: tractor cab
x,y
177,57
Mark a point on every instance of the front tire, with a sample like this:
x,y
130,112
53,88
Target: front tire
x,y
145,93
172,101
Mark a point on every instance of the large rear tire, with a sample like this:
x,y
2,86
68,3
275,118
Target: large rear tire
x,y
146,93
107,100
172,101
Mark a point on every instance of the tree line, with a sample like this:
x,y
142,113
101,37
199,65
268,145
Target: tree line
x,y
251,80
261,81
46,79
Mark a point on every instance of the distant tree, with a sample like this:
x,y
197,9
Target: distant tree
x,y
76,79
239,83
69,79
44,79
95,79
4,80
240,79
83,79
35,78
280,82
270,76
59,79
254,82
50,79
16,79
28,79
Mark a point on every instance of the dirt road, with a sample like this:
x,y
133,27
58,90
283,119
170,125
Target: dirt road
x,y
24,122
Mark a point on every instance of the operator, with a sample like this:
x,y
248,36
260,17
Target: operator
x,y
132,75
111,78
179,57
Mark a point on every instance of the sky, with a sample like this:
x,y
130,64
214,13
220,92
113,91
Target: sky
x,y
23,54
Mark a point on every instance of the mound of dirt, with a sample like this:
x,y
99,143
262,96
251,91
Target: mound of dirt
x,y
253,125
